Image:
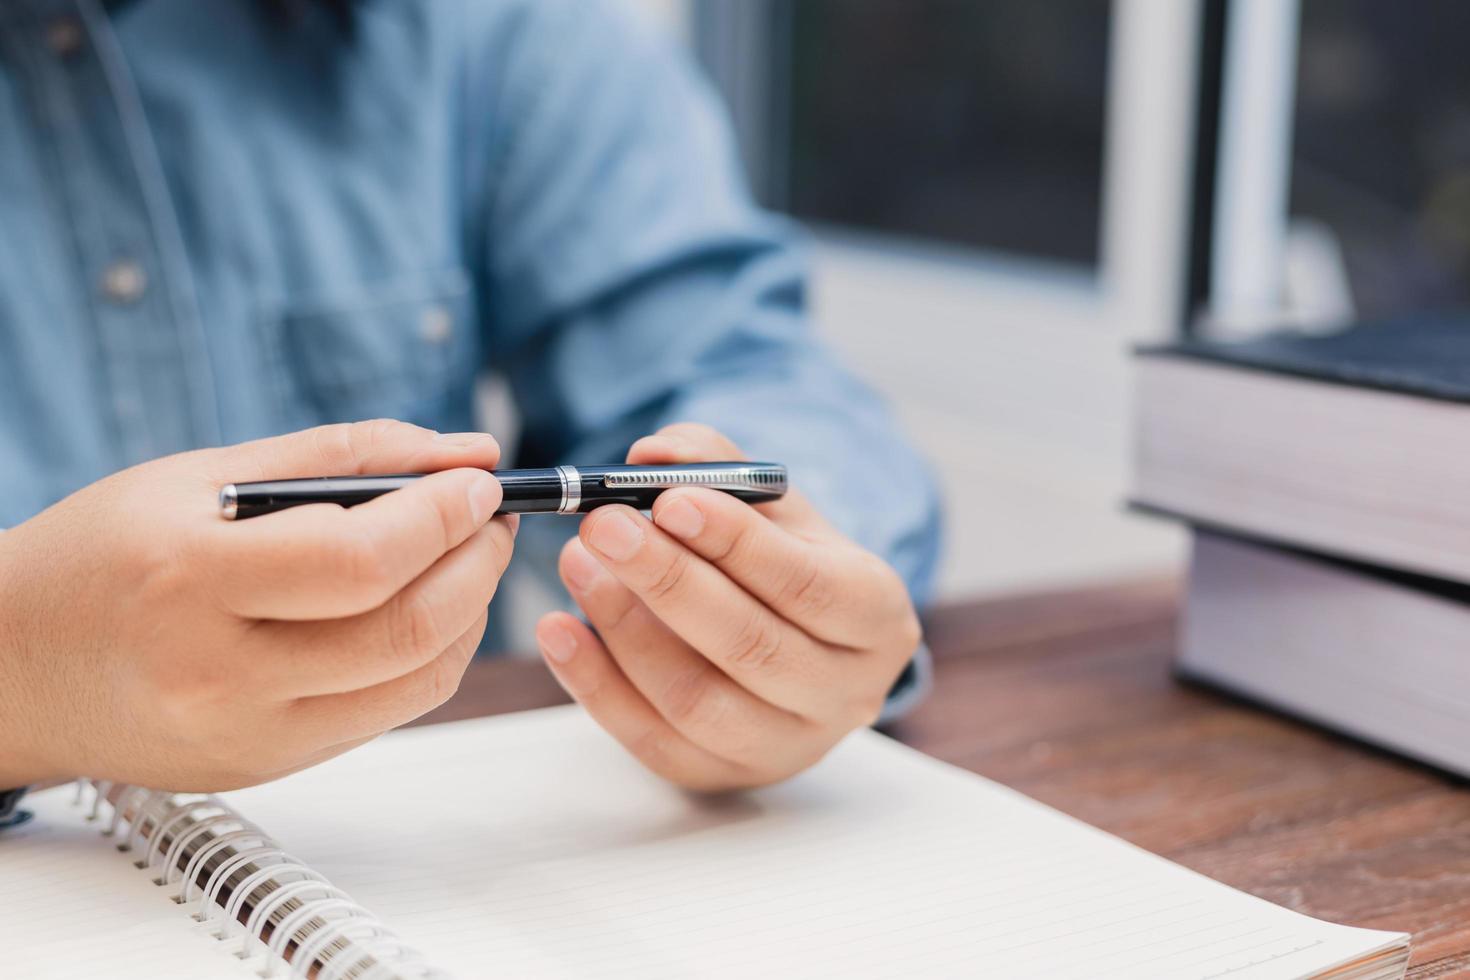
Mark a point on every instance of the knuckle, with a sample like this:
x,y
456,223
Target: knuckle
x,y
731,544
366,439
471,640
655,749
610,618
445,512
414,628
334,444
163,575
757,645
186,690
364,565
176,696
230,751
691,701
671,576
707,714
591,691
444,676
502,546
809,589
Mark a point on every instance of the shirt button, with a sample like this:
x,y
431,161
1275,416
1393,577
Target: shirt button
x,y
436,325
124,281
64,36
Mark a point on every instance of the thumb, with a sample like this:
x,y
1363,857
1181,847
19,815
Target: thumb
x,y
693,442
348,449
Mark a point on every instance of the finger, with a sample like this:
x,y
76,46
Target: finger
x,y
762,652
685,442
701,702
330,719
691,442
323,561
588,673
377,446
295,659
835,591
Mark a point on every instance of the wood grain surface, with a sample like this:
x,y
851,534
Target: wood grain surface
x,y
1069,698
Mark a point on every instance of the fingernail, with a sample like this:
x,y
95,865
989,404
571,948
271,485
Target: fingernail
x,y
513,521
615,535
680,518
582,570
558,642
484,498
465,440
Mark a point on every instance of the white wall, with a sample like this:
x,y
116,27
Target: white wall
x,y
1019,396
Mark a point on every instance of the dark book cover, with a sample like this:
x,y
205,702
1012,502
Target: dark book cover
x,y
1427,355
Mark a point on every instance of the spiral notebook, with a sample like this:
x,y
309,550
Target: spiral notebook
x,y
531,846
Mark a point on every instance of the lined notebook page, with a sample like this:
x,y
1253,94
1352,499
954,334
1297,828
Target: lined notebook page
x,y
532,846
73,908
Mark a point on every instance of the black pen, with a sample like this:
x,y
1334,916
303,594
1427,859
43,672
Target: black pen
x,y
553,490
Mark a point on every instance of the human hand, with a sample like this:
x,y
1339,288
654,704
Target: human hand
x,y
145,639
734,645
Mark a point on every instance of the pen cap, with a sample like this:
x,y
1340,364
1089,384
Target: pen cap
x,y
590,487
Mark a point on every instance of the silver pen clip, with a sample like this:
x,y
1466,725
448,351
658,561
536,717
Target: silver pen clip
x,y
772,478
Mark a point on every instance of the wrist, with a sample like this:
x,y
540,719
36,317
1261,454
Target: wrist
x,y
21,764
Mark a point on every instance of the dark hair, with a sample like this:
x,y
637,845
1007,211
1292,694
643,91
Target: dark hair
x,y
291,12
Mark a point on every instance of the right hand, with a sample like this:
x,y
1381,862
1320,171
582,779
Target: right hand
x,y
144,639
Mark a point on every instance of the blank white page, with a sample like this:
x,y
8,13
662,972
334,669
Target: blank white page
x,y
531,845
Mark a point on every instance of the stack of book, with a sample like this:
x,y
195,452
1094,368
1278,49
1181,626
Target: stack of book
x,y
1327,480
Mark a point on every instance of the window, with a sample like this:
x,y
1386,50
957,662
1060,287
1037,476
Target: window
x,y
1381,155
973,124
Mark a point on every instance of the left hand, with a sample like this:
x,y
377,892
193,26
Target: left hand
x,y
734,644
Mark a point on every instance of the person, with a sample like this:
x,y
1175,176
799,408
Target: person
x,y
232,220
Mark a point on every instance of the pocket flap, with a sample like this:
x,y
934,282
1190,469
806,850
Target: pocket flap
x,y
412,331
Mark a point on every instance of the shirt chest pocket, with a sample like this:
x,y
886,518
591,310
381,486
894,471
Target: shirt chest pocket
x,y
404,350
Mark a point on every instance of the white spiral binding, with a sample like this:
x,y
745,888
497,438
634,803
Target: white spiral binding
x,y
283,910
216,845
209,901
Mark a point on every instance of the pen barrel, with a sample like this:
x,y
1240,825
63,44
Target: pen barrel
x,y
533,491
244,500
580,489
549,490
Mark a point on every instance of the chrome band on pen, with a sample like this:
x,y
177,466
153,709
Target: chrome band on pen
x,y
571,489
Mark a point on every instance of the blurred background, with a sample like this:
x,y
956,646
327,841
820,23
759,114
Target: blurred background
x,y
1007,196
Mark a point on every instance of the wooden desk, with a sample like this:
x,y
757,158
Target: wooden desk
x,y
1068,698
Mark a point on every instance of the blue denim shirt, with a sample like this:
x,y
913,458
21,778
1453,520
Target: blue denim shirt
x,y
215,228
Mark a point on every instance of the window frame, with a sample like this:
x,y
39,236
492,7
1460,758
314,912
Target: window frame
x,y
1140,285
